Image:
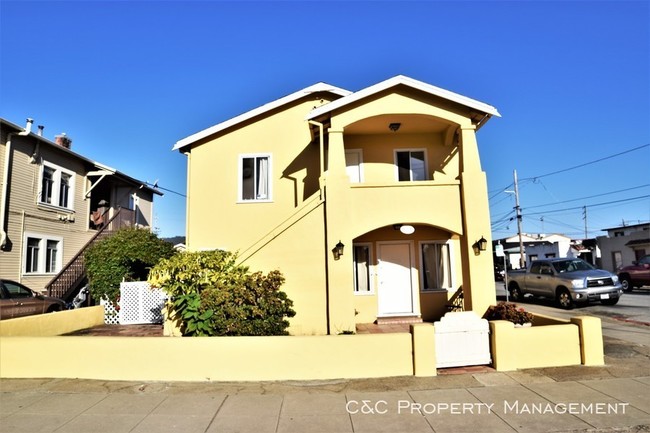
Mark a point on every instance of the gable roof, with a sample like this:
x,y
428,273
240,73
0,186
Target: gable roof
x,y
410,82
318,87
95,164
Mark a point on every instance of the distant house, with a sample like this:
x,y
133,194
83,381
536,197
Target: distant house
x,y
624,244
371,203
540,246
53,203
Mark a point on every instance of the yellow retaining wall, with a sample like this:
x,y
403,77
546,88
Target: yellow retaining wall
x,y
424,349
208,358
537,346
592,349
45,325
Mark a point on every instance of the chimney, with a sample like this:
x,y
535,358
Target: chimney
x,y
28,127
40,130
63,140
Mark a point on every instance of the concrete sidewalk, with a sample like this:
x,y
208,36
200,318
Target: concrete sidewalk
x,y
612,398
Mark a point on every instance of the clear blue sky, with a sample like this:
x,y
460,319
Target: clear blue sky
x,y
126,80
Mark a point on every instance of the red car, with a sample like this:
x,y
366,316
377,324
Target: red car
x,y
635,275
17,300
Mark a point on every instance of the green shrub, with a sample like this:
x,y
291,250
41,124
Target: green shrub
x,y
212,295
128,255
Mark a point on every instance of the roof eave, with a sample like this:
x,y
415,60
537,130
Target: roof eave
x,y
401,79
99,165
316,88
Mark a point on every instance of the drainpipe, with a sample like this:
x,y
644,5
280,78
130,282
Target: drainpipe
x,y
324,198
322,145
5,181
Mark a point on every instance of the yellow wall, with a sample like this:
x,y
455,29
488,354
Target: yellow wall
x,y
309,213
208,359
298,252
286,233
62,322
378,152
591,340
538,346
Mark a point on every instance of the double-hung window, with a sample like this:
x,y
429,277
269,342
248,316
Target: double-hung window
x,y
43,254
255,177
410,165
57,186
436,266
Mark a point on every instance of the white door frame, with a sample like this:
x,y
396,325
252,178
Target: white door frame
x,y
359,154
414,280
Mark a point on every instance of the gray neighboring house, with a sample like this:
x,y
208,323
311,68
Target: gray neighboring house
x,y
623,245
54,203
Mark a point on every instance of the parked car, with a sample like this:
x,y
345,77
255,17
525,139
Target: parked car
x,y
17,300
566,280
635,275
499,273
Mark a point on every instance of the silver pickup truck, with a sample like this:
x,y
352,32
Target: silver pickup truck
x,y
567,280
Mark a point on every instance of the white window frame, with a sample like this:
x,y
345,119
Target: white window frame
x,y
452,266
358,152
426,166
56,186
240,170
371,270
42,254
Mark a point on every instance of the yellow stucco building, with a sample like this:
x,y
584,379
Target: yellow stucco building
x,y
371,203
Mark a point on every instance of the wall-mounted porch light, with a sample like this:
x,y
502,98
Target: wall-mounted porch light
x,y
404,228
480,245
338,250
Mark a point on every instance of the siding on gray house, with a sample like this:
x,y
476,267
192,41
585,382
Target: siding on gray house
x,y
45,236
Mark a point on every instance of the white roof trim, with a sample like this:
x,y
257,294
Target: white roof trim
x,y
319,87
401,79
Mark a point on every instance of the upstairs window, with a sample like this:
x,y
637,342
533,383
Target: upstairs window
x,y
410,165
255,178
57,186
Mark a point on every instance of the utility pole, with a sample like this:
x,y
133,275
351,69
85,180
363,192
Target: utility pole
x,y
518,210
584,210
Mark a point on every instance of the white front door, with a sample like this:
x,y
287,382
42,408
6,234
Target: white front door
x,y
395,276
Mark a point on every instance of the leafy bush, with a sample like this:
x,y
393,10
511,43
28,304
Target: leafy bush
x,y
212,295
509,312
126,255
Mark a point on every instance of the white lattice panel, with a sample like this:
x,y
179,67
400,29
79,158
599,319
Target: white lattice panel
x,y
111,316
139,303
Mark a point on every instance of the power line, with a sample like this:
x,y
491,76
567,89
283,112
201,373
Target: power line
x,y
591,205
156,186
590,196
501,190
588,163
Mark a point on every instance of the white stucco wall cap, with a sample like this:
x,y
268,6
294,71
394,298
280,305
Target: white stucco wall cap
x,y
318,87
407,81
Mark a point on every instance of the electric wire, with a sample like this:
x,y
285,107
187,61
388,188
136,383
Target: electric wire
x,y
532,178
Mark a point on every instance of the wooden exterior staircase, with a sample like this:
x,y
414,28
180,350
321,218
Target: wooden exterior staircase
x,y
72,276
